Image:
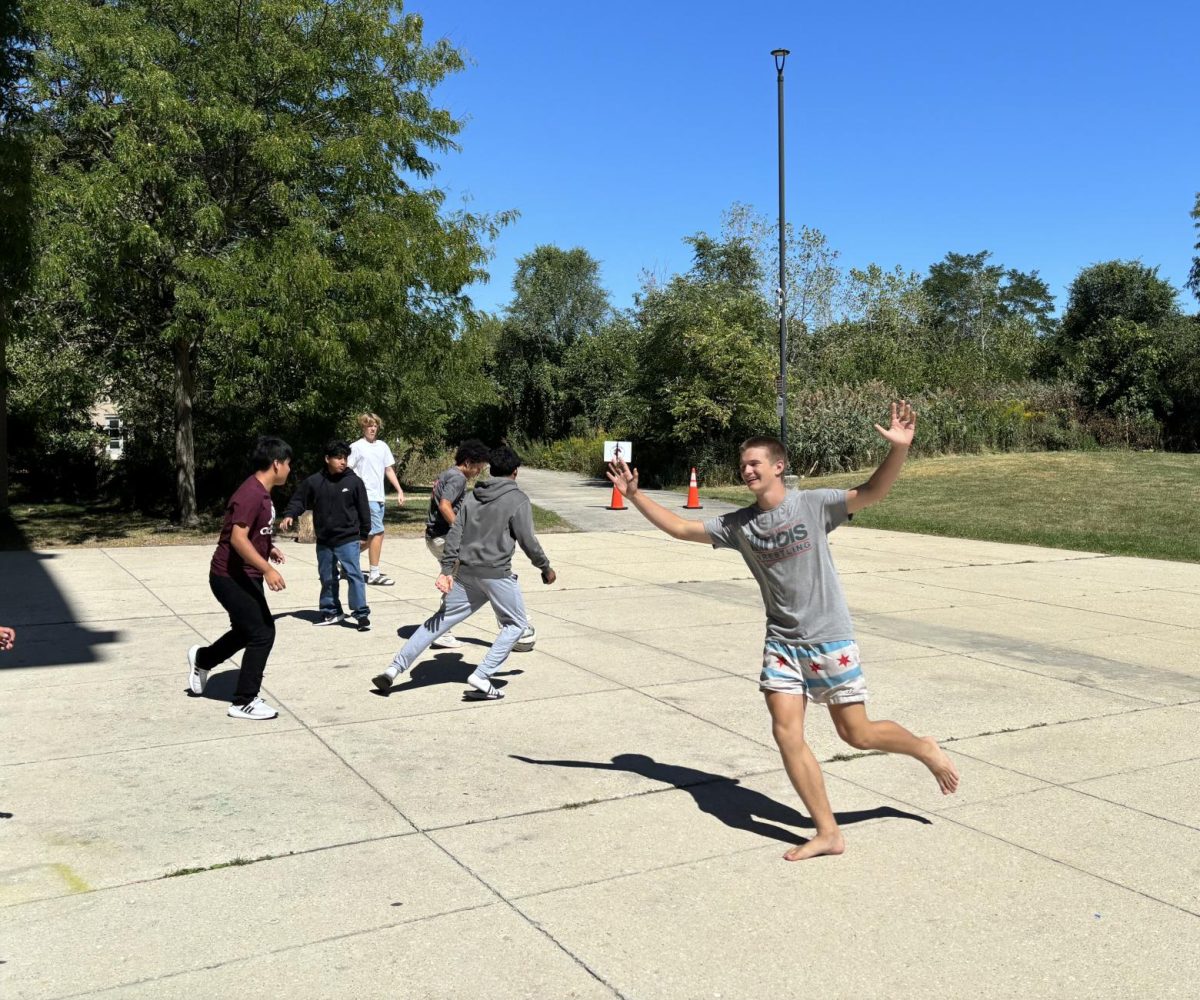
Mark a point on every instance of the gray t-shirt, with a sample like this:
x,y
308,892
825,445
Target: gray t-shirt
x,y
787,550
451,485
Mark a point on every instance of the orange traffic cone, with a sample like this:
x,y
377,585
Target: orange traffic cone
x,y
618,500
693,500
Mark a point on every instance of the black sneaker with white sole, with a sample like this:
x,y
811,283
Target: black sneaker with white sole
x,y
363,622
329,619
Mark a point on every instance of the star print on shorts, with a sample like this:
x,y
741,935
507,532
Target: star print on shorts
x,y
826,672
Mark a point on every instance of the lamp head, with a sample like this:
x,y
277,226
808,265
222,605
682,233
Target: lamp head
x,y
780,56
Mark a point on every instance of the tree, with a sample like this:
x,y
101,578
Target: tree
x,y
15,197
971,298
810,266
1115,289
705,370
234,204
557,301
1116,337
1193,281
601,370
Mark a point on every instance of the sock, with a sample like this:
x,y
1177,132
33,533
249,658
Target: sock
x,y
375,570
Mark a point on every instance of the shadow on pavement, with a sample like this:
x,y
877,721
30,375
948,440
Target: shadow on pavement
x,y
445,668
406,632
726,799
32,603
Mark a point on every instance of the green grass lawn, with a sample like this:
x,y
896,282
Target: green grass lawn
x,y
58,525
1118,502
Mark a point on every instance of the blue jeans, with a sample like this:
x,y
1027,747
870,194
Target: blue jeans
x,y
329,557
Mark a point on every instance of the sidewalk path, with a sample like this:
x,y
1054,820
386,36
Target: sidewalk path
x,y
584,502
612,829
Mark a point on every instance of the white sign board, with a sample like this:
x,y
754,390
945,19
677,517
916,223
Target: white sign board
x,y
618,449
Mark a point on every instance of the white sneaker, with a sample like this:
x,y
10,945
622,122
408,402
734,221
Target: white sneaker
x,y
446,641
257,709
197,678
487,692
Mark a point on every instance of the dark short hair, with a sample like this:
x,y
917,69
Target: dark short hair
x,y
472,450
504,461
774,447
337,448
268,451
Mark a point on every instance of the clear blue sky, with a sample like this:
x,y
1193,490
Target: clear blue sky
x,y
1054,134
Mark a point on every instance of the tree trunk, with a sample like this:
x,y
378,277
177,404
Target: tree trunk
x,y
185,445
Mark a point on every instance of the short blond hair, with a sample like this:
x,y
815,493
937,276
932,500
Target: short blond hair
x,y
365,419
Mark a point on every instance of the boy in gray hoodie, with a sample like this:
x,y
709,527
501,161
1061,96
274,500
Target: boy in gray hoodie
x,y
477,570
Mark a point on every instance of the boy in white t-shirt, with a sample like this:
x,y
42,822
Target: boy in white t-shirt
x,y
372,460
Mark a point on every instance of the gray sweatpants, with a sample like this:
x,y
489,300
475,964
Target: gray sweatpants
x,y
467,596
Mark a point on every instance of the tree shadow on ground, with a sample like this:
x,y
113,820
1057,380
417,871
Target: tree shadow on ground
x,y
726,799
445,668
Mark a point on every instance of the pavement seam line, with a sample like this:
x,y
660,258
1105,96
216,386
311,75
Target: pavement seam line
x,y
1030,850
466,868
1073,787
271,951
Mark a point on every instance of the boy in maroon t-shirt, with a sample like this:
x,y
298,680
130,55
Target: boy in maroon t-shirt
x,y
240,565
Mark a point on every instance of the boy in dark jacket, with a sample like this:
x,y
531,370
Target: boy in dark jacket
x,y
477,570
341,520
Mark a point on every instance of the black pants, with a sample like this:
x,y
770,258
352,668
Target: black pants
x,y
251,628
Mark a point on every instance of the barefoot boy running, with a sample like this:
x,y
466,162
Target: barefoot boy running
x,y
810,653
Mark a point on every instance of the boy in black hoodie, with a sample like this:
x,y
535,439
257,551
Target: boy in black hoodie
x,y
495,518
341,520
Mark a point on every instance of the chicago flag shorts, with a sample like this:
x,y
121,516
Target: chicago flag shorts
x,y
829,673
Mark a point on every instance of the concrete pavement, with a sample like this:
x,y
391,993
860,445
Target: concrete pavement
x,y
614,827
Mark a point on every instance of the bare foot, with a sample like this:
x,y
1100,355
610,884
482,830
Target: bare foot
x,y
814,847
941,765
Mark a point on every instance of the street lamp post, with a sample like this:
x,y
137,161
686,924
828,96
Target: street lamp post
x,y
781,292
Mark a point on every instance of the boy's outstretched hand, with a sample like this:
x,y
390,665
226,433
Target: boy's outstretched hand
x,y
622,478
904,425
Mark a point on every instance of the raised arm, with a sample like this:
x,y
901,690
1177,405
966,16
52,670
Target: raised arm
x,y
899,434
626,480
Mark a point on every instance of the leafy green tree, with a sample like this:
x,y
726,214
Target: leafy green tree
x,y
972,299
1181,382
601,370
15,197
705,371
557,301
1193,281
1119,366
235,203
1115,289
810,266
1115,338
